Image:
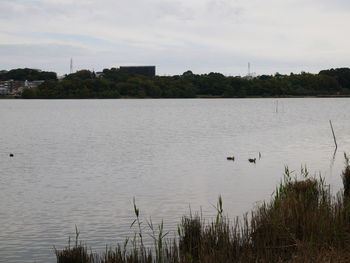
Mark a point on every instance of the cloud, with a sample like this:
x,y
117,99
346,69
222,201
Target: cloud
x,y
207,35
224,10
40,50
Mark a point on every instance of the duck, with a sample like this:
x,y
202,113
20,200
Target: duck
x,y
252,160
231,158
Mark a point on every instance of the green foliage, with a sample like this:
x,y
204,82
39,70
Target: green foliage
x,y
74,88
341,75
114,83
80,75
27,74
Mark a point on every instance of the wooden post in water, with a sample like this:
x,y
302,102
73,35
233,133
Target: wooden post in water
x,y
335,141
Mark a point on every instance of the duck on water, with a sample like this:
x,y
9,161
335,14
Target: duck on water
x,y
252,160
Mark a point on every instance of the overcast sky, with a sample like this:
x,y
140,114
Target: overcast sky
x,y
176,35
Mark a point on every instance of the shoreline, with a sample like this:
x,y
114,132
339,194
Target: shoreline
x,y
198,97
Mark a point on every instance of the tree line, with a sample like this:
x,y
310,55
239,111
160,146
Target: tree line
x,y
27,74
113,83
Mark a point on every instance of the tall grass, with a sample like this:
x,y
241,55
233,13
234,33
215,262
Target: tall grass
x,y
302,223
346,177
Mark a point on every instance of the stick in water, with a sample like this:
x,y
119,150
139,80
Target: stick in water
x,y
335,141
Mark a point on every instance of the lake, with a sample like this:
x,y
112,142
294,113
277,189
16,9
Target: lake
x,y
81,162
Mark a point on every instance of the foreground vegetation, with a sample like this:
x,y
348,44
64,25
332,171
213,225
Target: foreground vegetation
x,y
302,223
114,83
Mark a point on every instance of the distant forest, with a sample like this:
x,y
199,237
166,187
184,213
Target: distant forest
x,y
113,83
23,74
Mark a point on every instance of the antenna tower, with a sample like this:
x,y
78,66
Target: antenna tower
x,y
71,65
248,69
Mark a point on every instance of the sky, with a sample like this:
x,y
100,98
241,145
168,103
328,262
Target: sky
x,y
176,35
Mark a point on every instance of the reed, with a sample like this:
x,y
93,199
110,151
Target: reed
x,y
302,223
346,177
77,253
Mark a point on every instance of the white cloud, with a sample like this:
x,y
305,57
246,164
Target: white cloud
x,y
202,35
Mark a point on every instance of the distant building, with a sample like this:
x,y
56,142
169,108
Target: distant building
x,y
33,84
11,84
148,71
99,74
4,91
15,87
5,84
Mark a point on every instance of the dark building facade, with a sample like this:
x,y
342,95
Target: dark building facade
x,y
148,71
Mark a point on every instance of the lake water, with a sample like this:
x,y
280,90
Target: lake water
x,y
81,162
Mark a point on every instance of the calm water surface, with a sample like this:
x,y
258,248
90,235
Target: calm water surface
x,y
81,162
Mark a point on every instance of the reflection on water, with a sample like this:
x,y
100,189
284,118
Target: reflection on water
x,y
81,162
